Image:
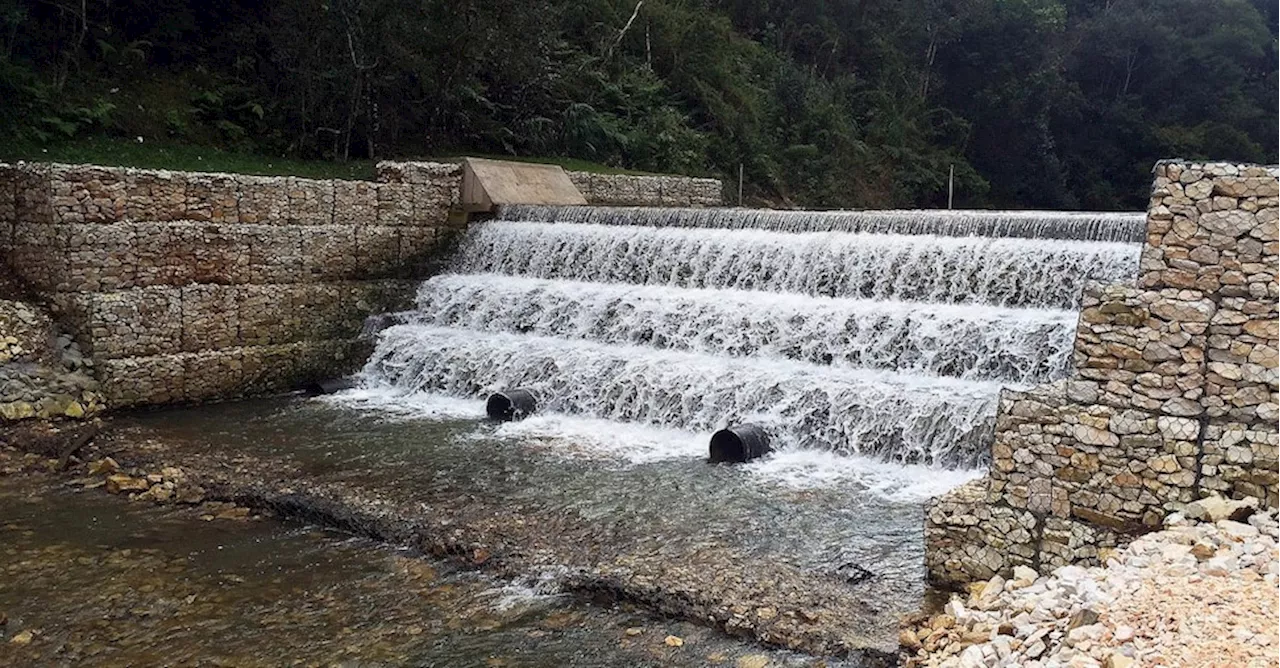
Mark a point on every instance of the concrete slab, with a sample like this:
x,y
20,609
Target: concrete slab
x,y
487,184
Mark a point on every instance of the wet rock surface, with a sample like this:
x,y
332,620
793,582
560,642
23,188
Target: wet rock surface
x,y
93,580
770,602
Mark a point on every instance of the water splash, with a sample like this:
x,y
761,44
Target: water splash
x,y
849,346
1085,226
971,342
1001,272
808,469
899,417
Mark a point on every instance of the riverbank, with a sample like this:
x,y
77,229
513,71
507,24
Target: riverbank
x,y
1198,593
695,577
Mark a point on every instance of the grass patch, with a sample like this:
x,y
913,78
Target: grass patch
x,y
152,155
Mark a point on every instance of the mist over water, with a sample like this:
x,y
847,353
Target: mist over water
x,y
872,345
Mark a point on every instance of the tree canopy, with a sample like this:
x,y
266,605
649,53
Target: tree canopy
x,y
825,103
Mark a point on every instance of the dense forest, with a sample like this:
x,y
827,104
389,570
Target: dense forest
x,y
825,103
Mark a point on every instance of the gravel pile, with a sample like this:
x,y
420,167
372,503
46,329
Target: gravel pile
x,y
1201,592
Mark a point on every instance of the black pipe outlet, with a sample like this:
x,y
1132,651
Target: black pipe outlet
x,y
511,405
330,386
739,443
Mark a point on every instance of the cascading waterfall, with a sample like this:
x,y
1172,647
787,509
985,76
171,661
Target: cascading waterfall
x,y
925,268
878,333
1083,226
963,341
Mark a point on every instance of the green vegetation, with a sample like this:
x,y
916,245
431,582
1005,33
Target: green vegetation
x,y
1037,103
153,155
171,155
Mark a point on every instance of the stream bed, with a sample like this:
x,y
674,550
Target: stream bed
x,y
88,579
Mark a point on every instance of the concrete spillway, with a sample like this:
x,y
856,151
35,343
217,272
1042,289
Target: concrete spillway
x,y
886,334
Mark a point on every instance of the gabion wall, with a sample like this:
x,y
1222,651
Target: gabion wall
x,y
187,287
1174,394
193,286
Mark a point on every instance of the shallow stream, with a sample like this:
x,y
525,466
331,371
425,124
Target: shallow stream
x,y
90,579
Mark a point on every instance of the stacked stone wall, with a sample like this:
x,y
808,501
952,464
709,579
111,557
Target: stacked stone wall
x,y
192,286
1173,397
633,190
598,189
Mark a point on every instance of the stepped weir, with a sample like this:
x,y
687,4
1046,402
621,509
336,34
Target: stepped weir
x,y
883,334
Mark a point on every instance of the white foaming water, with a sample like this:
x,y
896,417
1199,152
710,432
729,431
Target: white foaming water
x,y
871,350
904,483
900,417
530,592
606,440
971,342
1001,272
1081,225
398,403
618,444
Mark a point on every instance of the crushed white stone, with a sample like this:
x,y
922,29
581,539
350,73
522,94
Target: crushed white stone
x,y
1190,595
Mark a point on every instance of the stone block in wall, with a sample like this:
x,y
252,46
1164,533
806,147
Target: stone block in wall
x,y
39,255
668,191
322,360
33,196
355,203
378,250
266,314
1203,223
210,317
968,539
432,203
648,190
213,375
213,198
1142,348
1067,541
584,182
618,189
264,200
395,204
419,172
1241,376
140,322
270,369
155,196
1119,468
706,192
8,205
157,258
209,253
275,253
311,201
88,194
328,252
1241,460
99,258
137,381
314,306
419,250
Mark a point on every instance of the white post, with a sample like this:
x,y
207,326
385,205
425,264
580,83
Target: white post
x,y
951,184
739,184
